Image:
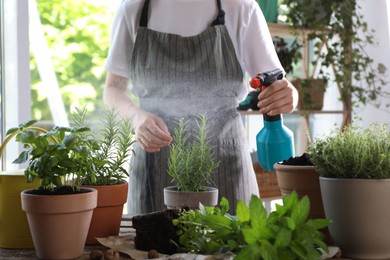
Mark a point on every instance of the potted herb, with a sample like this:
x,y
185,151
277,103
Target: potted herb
x,y
285,233
191,165
339,26
354,168
59,212
115,145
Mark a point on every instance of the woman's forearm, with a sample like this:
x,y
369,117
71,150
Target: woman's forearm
x,y
116,97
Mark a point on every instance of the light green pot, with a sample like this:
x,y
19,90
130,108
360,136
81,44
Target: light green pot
x,y
14,230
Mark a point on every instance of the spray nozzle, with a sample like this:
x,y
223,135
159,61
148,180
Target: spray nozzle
x,y
266,78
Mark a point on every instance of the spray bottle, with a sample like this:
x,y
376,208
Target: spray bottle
x,y
275,142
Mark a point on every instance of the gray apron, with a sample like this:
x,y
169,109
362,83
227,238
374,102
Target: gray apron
x,y
183,77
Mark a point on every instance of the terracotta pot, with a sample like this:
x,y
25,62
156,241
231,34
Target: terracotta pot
x,y
15,232
305,181
177,199
360,211
107,217
59,223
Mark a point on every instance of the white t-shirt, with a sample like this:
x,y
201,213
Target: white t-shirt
x,y
243,19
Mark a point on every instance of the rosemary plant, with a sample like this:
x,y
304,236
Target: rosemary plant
x,y
191,163
115,140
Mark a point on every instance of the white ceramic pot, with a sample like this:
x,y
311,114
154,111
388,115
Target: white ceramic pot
x,y
177,199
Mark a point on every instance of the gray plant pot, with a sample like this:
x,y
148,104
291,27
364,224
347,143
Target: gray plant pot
x,y
360,211
177,199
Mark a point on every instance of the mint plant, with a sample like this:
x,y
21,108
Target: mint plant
x,y
283,234
191,163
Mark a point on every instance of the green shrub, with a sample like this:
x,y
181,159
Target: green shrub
x,y
354,153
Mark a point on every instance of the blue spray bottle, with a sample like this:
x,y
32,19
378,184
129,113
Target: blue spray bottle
x,y
275,142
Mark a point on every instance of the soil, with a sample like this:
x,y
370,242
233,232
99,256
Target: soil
x,y
64,190
298,160
156,231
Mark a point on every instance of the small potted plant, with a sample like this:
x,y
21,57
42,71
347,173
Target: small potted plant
x,y
354,168
115,142
191,165
59,212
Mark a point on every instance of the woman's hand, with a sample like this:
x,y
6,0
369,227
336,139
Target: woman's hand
x,y
150,131
280,97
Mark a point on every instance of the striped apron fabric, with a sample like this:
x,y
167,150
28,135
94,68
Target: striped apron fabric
x,y
183,77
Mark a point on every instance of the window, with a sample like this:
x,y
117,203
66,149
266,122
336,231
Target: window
x,y
54,61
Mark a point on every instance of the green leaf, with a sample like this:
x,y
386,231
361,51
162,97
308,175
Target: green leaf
x,y
267,251
81,130
217,222
27,136
283,238
319,223
288,222
300,212
23,157
46,181
258,214
242,212
224,205
248,252
28,124
250,235
232,244
57,181
298,249
12,130
70,141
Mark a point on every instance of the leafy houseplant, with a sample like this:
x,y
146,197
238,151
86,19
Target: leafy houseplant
x,y
58,158
283,234
337,25
354,166
60,155
191,163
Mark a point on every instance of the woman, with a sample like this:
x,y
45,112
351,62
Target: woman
x,y
186,57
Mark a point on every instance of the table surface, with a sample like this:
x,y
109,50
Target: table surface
x,y
28,254
125,231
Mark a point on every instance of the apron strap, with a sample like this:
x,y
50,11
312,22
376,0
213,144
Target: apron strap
x,y
143,22
220,20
